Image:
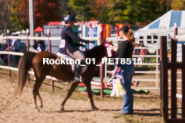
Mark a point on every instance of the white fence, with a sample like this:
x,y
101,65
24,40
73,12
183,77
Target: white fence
x,y
156,64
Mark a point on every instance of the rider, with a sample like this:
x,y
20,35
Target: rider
x,y
69,47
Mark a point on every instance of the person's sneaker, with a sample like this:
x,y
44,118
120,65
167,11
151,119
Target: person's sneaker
x,y
122,112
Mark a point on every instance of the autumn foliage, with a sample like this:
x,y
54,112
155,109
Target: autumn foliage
x,y
45,11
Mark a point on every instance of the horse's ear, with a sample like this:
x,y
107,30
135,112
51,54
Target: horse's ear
x,y
111,43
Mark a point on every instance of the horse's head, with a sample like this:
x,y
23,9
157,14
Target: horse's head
x,y
100,51
108,51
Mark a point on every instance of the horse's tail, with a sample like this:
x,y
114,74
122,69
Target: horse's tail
x,y
24,66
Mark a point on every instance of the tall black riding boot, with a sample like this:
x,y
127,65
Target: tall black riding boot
x,y
77,72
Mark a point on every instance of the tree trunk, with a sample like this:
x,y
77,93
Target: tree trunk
x,y
5,28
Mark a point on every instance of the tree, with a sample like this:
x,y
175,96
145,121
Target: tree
x,y
5,12
178,4
131,11
103,18
14,14
82,7
45,11
65,8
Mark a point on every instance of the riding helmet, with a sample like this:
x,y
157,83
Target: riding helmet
x,y
69,18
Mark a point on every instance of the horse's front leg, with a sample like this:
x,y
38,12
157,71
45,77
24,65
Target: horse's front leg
x,y
88,85
72,88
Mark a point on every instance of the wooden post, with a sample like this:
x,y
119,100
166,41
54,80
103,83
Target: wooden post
x,y
28,46
49,44
9,71
183,81
27,40
174,74
164,76
173,79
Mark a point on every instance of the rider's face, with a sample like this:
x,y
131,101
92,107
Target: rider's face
x,y
72,23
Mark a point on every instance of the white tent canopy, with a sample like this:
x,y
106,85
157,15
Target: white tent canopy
x,y
162,26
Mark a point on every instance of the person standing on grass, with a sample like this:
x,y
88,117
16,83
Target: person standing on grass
x,y
125,50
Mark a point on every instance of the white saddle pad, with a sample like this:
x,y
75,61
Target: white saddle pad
x,y
83,69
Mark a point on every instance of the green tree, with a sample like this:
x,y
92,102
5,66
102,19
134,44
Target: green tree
x,y
65,8
81,8
14,16
132,11
104,18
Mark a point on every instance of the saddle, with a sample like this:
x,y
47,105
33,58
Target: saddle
x,y
83,68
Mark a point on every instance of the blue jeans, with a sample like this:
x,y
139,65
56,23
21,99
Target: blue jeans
x,y
127,72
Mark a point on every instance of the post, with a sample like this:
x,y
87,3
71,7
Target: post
x,y
157,67
101,67
9,71
49,44
164,77
27,41
28,45
31,19
175,30
174,73
173,79
183,81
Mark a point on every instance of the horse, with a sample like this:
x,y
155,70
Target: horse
x,y
62,72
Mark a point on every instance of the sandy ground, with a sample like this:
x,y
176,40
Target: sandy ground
x,y
20,110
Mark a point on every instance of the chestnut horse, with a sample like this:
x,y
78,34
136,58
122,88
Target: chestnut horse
x,y
62,72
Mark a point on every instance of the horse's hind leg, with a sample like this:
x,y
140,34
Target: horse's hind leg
x,y
72,88
41,103
36,92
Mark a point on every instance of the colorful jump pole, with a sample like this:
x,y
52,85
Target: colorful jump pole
x,y
49,44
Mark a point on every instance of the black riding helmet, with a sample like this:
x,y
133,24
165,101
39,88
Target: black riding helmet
x,y
69,18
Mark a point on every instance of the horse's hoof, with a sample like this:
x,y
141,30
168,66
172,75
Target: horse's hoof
x,y
37,110
95,108
62,109
41,106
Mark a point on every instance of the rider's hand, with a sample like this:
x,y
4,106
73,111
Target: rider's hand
x,y
82,45
111,47
113,73
91,41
